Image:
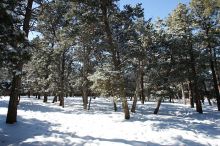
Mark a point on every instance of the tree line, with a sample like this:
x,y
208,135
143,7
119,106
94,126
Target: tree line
x,y
95,48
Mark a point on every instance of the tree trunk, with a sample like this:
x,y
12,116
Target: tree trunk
x,y
38,97
142,88
90,99
62,100
134,104
141,64
29,94
45,97
126,109
54,99
214,80
85,99
210,103
13,101
115,106
194,84
85,80
124,100
62,77
137,91
158,106
170,99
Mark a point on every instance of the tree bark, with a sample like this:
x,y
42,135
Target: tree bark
x,y
62,101
214,79
115,106
133,108
90,100
85,84
142,88
29,94
137,91
54,99
62,74
158,106
85,98
170,99
45,97
142,82
13,101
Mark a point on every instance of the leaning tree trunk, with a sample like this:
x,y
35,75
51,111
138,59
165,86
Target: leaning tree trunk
x,y
158,105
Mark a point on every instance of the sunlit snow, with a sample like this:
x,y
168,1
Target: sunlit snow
x,y
48,124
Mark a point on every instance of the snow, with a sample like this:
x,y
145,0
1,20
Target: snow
x,y
48,124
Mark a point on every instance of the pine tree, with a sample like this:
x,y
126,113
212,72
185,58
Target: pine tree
x,y
86,34
206,20
180,24
15,46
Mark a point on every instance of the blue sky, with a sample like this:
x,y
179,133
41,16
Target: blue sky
x,y
155,8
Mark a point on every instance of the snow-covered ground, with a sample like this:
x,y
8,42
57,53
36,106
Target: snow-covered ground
x,y
48,124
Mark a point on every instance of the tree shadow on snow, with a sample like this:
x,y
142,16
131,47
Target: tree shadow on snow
x,y
22,130
181,118
33,132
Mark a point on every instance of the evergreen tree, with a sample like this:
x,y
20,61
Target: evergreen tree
x,y
206,20
180,24
14,46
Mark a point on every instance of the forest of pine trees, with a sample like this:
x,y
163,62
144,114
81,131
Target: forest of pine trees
x,y
94,48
